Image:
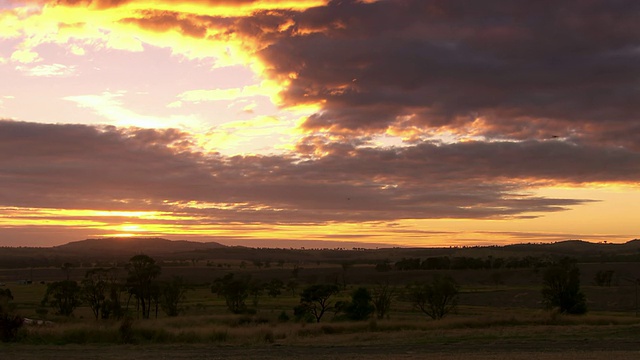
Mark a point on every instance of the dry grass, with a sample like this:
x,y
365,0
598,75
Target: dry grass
x,y
255,330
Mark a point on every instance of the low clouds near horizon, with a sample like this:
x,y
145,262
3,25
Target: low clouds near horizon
x,y
109,168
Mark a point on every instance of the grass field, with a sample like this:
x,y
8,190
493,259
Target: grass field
x,y
588,338
495,320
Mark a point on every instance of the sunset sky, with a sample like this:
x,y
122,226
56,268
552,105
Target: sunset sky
x,y
408,122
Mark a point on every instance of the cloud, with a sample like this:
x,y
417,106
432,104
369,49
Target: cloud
x,y
109,168
25,56
51,70
499,70
494,100
527,70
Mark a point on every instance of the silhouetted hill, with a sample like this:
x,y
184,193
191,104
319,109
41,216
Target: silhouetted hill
x,y
110,250
577,248
128,246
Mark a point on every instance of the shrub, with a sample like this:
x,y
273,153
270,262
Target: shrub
x,y
283,317
9,324
435,299
561,288
126,330
360,307
234,291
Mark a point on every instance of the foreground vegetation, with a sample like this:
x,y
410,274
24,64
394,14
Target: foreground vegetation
x,y
333,306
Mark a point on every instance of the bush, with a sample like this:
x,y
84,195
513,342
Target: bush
x,y
126,330
9,324
435,299
234,291
283,317
360,307
561,288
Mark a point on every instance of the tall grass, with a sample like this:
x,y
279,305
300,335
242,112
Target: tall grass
x,y
251,330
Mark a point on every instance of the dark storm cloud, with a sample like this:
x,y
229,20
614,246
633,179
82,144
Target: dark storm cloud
x,y
558,67
108,168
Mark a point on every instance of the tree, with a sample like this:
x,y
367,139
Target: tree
x,y
95,288
382,296
255,290
360,307
66,268
436,298
295,272
113,304
561,288
292,285
172,294
314,300
604,277
384,266
345,268
9,323
101,291
142,272
274,287
234,291
5,298
64,296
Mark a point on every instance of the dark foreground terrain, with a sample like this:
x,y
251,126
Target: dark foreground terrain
x,y
582,342
511,350
500,312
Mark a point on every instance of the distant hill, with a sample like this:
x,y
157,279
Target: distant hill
x,y
121,249
119,246
577,248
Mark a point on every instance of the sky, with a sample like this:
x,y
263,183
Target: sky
x,y
395,122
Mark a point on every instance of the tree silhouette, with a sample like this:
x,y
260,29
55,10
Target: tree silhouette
x,y
64,296
382,296
172,294
314,300
95,290
9,323
604,277
234,291
436,298
292,285
274,287
66,268
561,288
345,268
142,272
360,307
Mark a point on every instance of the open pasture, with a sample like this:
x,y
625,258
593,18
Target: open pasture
x,y
500,315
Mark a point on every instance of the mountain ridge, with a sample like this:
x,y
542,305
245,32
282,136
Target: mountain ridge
x,y
151,245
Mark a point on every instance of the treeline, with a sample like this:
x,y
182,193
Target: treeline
x,y
109,295
462,263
